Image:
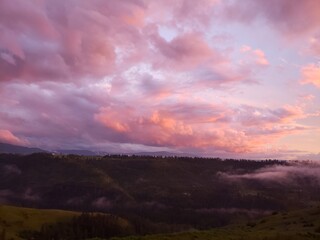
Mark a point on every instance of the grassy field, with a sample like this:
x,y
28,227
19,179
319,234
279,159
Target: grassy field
x,y
294,225
15,219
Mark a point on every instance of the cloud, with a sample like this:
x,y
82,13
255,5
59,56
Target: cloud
x,y
227,71
11,65
254,116
311,75
287,16
310,157
185,52
256,55
102,203
221,76
7,137
64,40
30,195
75,41
51,115
147,74
200,126
71,117
279,174
184,13
314,48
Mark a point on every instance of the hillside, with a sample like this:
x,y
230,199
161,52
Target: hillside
x,y
15,219
159,194
19,223
294,225
9,148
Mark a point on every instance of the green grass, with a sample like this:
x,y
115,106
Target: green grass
x,y
294,225
16,219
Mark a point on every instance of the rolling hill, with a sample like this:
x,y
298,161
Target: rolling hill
x,y
9,148
157,194
294,225
15,221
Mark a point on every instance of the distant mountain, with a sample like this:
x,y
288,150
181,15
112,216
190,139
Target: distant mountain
x,y
9,148
163,154
76,152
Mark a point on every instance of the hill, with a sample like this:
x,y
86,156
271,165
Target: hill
x,y
76,152
18,223
158,194
15,219
9,148
295,225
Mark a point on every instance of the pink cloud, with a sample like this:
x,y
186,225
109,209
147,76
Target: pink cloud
x,y
311,75
185,52
252,116
93,74
7,137
183,13
62,113
288,16
202,12
314,42
266,125
226,71
65,41
308,97
87,117
21,15
114,119
153,128
261,58
11,65
156,128
201,126
255,55
68,42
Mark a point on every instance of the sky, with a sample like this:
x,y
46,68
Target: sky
x,y
220,78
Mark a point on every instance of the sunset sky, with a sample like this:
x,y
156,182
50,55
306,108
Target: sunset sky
x,y
222,78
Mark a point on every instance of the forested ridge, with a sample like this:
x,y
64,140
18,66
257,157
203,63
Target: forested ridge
x,y
158,194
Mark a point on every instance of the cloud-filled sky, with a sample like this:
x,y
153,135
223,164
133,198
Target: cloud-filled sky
x,y
226,78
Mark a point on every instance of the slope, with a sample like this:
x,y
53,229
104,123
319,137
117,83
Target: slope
x,y
16,219
294,225
9,148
